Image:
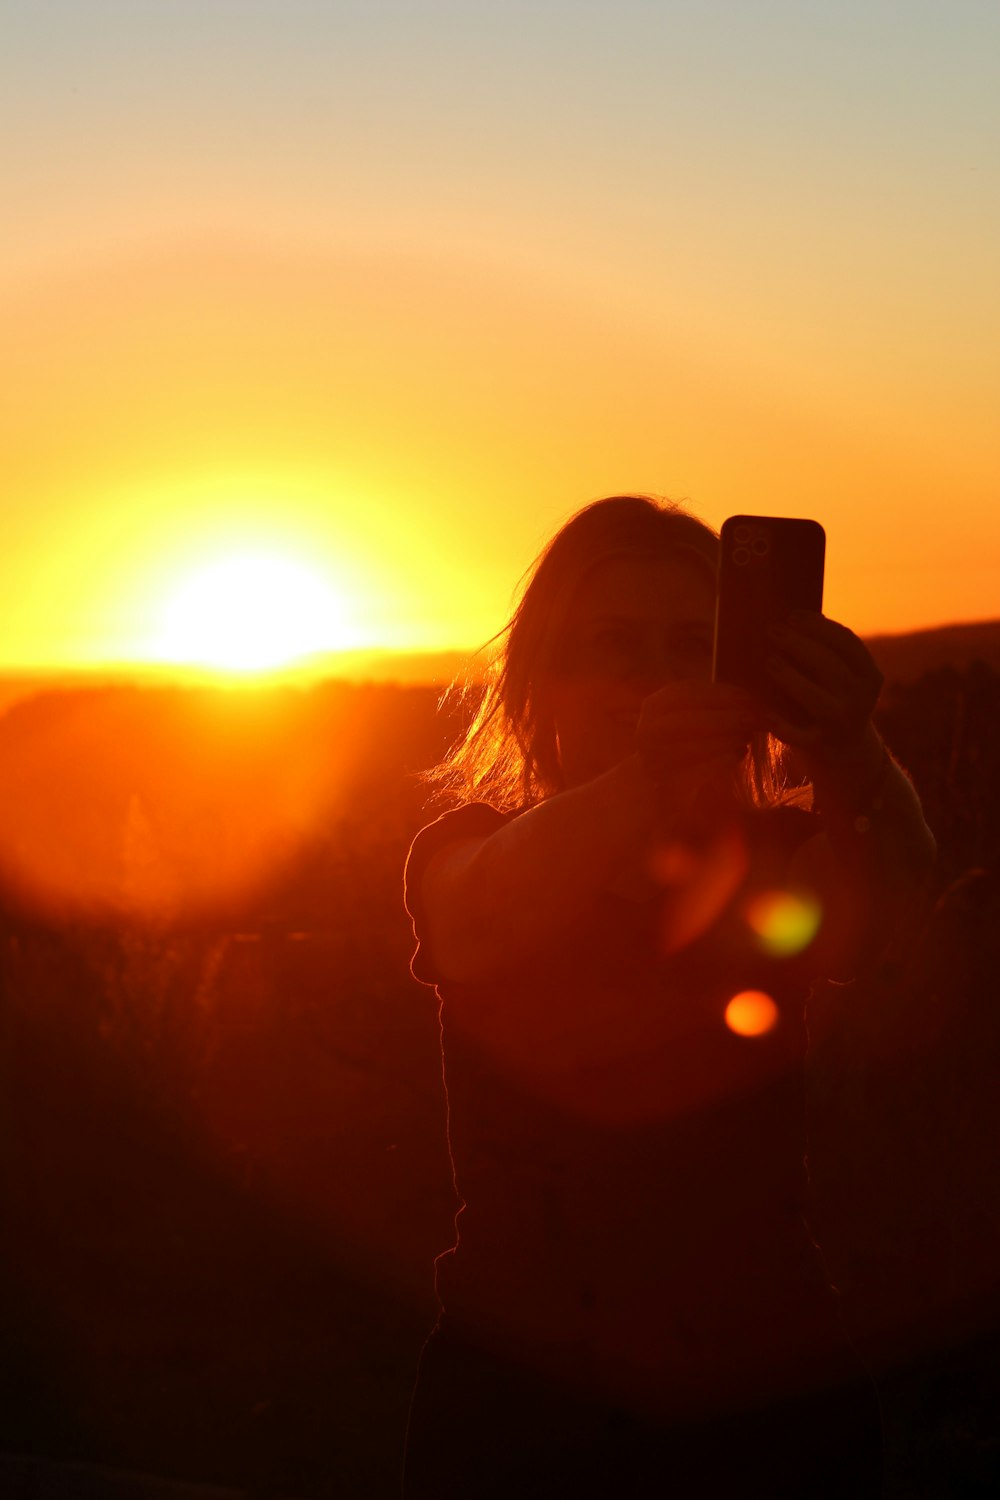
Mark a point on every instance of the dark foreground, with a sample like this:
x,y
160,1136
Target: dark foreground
x,y
224,1176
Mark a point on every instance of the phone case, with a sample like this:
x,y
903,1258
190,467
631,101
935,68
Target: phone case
x,y
768,566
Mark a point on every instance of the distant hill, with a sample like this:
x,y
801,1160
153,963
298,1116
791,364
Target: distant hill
x,y
408,668
904,658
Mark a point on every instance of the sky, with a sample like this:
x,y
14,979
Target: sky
x,y
383,291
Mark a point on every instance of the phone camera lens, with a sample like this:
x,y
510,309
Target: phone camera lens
x,y
761,545
741,556
742,534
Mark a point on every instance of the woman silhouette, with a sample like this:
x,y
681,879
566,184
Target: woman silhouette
x,y
623,913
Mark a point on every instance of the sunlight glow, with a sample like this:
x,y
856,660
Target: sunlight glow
x,y
251,612
784,923
751,1013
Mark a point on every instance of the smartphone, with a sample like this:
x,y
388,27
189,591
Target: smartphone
x,y
768,566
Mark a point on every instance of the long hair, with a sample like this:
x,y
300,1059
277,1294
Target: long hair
x,y
507,754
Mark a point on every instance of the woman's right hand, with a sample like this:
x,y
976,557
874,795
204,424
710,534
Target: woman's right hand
x,y
692,732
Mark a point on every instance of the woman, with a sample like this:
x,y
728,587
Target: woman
x,y
633,1304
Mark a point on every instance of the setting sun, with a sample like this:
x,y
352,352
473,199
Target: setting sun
x,y
250,612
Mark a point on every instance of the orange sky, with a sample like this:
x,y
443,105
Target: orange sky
x,y
390,301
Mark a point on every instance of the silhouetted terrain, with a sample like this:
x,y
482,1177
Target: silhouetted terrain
x,y
223,1167
904,658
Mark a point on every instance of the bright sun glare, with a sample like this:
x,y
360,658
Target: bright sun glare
x,y
250,612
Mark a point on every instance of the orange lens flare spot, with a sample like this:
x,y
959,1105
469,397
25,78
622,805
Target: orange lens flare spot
x,y
784,923
751,1013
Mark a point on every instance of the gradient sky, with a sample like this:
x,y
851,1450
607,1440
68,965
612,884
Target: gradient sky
x,y
392,287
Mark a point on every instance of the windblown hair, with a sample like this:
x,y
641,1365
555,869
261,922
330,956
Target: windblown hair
x,y
508,755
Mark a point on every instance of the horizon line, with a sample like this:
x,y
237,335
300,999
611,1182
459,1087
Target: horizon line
x,y
315,664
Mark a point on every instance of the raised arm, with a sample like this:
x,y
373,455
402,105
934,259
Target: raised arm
x,y
876,853
490,902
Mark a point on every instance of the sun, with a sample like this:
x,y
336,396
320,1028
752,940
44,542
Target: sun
x,y
250,612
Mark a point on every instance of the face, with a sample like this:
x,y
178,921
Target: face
x,y
635,625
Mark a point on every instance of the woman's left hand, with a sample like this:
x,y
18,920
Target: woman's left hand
x,y
827,672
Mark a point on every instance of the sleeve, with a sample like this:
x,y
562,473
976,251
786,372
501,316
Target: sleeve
x,y
476,820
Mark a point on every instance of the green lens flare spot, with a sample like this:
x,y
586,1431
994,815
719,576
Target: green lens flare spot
x,y
783,923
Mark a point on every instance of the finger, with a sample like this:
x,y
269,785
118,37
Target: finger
x,y
798,736
716,696
848,646
815,655
697,731
696,719
817,700
824,685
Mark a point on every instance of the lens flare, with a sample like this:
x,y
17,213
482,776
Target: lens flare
x,y
784,923
699,879
751,1013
